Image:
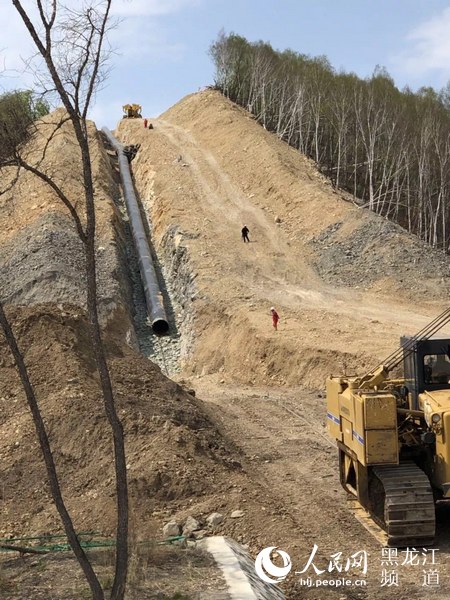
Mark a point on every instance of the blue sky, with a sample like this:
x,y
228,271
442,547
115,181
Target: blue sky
x,y
162,45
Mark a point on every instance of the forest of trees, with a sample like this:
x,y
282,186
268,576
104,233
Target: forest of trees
x,y
389,148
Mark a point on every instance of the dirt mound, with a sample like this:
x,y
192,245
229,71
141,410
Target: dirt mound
x,y
175,453
368,250
41,256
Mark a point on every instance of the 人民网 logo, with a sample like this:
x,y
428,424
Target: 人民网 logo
x,y
265,567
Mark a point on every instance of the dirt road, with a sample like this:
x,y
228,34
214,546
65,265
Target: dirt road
x,y
206,169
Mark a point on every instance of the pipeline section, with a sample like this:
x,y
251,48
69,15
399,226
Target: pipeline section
x,y
152,291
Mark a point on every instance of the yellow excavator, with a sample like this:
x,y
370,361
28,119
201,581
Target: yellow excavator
x,y
132,111
392,432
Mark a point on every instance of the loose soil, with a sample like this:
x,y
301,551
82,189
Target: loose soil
x,y
345,282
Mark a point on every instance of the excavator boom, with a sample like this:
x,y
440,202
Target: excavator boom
x,y
393,435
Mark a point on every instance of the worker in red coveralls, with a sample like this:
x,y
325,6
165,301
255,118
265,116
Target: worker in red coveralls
x,y
145,123
275,318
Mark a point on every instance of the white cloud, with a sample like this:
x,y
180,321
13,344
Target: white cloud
x,y
428,48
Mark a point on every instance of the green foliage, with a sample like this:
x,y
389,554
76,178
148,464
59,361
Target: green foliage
x,y
18,111
40,108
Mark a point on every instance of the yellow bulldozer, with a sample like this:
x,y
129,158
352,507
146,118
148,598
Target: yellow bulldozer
x,y
392,430
132,111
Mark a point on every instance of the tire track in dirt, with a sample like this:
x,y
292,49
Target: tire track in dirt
x,y
283,438
215,186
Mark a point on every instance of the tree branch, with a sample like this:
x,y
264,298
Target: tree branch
x,y
102,34
64,199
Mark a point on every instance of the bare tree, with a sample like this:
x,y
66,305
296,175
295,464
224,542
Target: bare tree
x,y
388,147
72,43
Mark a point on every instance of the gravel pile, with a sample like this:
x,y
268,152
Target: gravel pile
x,y
49,250
44,262
376,249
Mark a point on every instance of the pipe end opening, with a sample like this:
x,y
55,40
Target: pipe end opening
x,y
160,326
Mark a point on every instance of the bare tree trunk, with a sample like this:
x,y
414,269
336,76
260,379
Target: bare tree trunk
x,y
82,76
119,584
97,592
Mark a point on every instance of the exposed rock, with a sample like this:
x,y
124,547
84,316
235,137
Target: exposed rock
x,y
200,534
190,525
215,519
171,529
236,514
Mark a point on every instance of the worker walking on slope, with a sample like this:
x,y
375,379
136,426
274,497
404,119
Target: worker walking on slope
x,y
275,318
145,123
245,231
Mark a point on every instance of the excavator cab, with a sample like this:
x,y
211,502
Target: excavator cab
x,y
426,367
393,435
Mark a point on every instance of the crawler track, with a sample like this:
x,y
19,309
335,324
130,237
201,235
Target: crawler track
x,y
409,510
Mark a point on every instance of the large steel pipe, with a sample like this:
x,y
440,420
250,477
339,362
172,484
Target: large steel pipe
x,y
152,292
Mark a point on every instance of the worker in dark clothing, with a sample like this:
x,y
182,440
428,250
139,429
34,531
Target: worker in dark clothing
x,y
275,318
145,123
245,231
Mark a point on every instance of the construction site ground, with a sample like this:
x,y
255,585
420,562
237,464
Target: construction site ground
x,y
345,282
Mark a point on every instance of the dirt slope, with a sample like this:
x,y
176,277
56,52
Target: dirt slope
x,y
344,298
346,283
174,451
177,455
41,257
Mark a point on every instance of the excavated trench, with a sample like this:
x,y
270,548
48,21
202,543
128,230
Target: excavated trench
x,y
165,349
